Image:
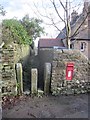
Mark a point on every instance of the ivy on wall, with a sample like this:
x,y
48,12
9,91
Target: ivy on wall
x,y
23,31
13,31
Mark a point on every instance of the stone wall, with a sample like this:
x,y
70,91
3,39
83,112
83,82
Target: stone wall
x,y
8,72
0,69
45,55
10,55
80,82
21,52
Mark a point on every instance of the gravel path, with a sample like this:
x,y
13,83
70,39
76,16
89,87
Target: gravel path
x,y
49,107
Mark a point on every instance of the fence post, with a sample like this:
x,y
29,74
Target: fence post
x,y
47,77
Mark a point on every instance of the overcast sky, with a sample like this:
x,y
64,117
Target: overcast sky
x,y
39,9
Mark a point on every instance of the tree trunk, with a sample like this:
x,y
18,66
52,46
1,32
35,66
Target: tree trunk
x,y
68,27
68,35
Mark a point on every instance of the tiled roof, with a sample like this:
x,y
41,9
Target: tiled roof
x,y
50,42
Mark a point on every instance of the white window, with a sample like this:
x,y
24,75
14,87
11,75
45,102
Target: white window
x,y
83,45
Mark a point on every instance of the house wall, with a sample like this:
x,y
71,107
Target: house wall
x,y
64,42
0,33
77,45
89,49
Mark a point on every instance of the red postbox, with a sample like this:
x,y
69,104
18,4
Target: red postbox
x,y
69,71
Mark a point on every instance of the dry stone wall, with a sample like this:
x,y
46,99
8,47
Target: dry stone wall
x,y
0,72
8,72
11,55
21,52
80,82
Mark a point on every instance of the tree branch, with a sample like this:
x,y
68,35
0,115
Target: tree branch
x,y
40,13
58,28
62,5
57,12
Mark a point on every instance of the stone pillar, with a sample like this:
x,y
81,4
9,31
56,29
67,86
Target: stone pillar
x,y
0,84
19,78
0,68
34,78
0,104
47,77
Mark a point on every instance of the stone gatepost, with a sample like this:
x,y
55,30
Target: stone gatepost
x,y
34,78
0,86
47,77
19,78
0,70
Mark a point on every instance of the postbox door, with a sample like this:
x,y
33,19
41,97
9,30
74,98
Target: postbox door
x,y
69,75
69,71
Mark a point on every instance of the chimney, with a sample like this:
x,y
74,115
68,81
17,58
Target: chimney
x,y
74,16
86,5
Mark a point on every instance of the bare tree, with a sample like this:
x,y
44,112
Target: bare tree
x,y
65,19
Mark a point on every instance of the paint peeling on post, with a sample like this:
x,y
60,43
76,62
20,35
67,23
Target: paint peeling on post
x,y
47,77
34,78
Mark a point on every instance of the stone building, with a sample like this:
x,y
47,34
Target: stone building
x,y
80,40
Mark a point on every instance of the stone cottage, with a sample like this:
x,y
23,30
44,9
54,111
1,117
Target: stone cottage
x,y
81,40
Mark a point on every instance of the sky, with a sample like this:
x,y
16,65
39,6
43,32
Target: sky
x,y
41,9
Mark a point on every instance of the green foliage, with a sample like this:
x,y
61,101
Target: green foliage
x,y
32,26
13,31
22,32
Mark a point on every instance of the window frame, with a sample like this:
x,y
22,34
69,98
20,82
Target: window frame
x,y
82,46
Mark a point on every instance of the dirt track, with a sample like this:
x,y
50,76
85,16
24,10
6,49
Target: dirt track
x,y
49,107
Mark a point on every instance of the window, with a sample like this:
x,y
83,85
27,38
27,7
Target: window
x,y
72,46
83,44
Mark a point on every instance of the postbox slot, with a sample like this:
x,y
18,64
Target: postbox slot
x,y
70,65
